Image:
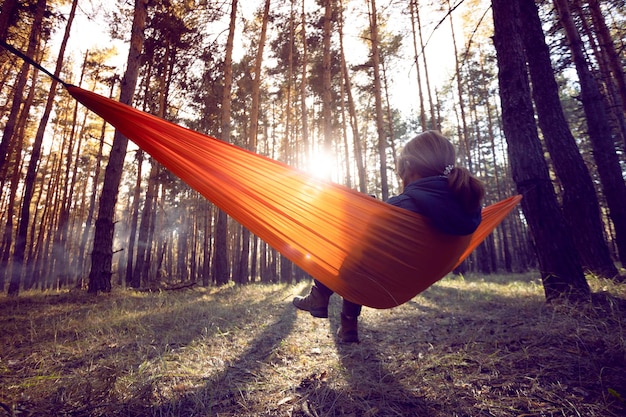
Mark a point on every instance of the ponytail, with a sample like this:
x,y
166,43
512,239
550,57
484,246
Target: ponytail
x,y
468,189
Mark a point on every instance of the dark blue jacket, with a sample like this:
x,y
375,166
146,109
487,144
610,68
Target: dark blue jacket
x,y
432,198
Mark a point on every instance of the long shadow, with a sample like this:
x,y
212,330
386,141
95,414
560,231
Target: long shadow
x,y
88,377
491,343
371,390
221,393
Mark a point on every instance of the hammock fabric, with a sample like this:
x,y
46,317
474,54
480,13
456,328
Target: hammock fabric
x,y
367,251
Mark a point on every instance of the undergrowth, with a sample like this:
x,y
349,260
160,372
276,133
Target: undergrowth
x,y
468,346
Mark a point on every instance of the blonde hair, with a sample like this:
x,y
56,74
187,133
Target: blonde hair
x,y
431,154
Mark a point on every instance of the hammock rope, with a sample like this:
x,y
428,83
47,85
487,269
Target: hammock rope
x,y
365,250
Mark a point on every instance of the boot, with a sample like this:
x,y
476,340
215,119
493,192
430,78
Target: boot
x,y
315,303
349,330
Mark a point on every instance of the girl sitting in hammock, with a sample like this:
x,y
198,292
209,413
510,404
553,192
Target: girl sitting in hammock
x,y
434,187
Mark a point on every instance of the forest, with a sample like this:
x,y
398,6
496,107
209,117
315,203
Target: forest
x,y
83,209
124,291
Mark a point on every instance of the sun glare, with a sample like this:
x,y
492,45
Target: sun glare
x,y
321,165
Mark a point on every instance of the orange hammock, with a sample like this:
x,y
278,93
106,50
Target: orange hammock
x,y
367,251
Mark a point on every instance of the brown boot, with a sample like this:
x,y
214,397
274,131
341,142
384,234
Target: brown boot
x,y
349,330
315,303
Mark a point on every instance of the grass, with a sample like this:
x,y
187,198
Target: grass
x,y
473,346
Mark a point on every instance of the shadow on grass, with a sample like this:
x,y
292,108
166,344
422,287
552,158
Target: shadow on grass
x,y
227,391
479,351
363,385
484,350
454,350
111,365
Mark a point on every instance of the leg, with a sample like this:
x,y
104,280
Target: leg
x,y
349,330
316,302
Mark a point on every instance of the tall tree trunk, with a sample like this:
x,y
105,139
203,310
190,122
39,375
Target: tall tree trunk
x,y
7,236
220,267
354,123
380,126
22,77
134,217
144,243
559,263
416,54
86,233
8,8
29,182
303,95
16,149
244,260
37,253
599,131
434,119
61,251
459,85
102,254
604,75
326,79
206,257
608,47
580,203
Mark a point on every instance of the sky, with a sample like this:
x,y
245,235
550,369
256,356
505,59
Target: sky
x,y
90,30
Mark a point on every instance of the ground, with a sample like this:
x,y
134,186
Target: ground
x,y
468,346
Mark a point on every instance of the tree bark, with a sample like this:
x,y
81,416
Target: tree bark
x,y
244,259
413,8
326,77
102,254
559,263
599,131
354,124
608,47
29,182
380,126
580,203
220,269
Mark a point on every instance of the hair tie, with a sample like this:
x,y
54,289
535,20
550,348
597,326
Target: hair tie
x,y
448,169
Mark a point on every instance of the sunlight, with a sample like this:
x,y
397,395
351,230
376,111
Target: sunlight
x,y
321,165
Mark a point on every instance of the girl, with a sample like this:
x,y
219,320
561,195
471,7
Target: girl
x,y
434,187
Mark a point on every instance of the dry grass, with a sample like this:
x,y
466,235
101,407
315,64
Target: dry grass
x,y
477,346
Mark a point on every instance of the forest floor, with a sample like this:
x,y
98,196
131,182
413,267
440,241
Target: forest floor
x,y
472,346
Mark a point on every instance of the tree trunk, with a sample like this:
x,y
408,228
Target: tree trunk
x,y
380,126
326,79
599,131
303,85
434,119
29,182
608,48
18,90
61,253
559,263
464,134
134,213
144,243
354,123
244,259
8,8
220,269
580,203
413,8
102,254
16,149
